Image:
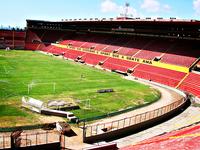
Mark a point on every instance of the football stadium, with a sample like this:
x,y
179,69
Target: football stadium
x,y
101,83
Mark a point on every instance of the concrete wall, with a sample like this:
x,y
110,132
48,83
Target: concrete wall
x,y
51,146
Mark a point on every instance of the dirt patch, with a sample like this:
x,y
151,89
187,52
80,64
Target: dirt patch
x,y
50,119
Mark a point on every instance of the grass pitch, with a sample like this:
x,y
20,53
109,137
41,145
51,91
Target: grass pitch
x,y
73,81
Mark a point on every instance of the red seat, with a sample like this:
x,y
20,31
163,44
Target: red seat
x,y
127,51
73,54
191,84
118,64
160,75
179,60
93,59
146,54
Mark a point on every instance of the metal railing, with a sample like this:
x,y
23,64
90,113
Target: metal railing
x,y
5,141
31,139
103,128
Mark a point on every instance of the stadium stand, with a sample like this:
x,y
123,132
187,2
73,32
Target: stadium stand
x,y
155,49
192,84
140,48
93,59
33,40
145,54
87,45
56,50
160,75
73,54
145,48
14,39
182,54
100,47
127,51
187,138
52,36
65,42
111,48
118,64
178,60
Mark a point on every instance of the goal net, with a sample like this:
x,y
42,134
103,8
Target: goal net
x,y
41,88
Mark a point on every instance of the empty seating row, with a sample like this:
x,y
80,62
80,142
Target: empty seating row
x,y
179,60
155,48
68,53
145,54
78,43
175,52
191,84
73,54
93,59
160,75
87,45
144,48
127,51
88,58
65,42
183,53
118,64
100,47
111,49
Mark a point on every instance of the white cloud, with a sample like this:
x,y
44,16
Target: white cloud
x,y
155,6
166,7
196,6
151,5
108,6
111,6
131,11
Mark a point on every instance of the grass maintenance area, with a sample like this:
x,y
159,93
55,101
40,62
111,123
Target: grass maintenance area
x,y
53,78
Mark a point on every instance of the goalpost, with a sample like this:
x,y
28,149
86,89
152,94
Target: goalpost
x,y
87,103
33,84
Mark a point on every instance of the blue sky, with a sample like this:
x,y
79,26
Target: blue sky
x,y
15,12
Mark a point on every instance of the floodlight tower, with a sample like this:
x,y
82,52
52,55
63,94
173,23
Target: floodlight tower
x,y
126,9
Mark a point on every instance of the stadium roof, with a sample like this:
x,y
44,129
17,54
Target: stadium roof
x,y
122,19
